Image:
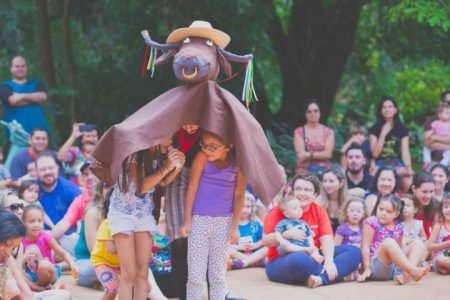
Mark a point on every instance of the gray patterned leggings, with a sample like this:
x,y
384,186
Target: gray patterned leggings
x,y
207,250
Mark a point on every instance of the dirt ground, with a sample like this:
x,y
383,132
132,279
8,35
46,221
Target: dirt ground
x,y
253,284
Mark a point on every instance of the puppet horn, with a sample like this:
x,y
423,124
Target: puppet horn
x,y
236,58
248,92
153,44
151,53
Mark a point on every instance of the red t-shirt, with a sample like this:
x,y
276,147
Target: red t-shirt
x,y
316,217
427,224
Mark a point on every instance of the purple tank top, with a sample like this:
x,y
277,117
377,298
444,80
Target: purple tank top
x,y
215,194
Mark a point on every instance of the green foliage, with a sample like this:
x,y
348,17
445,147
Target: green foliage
x,y
435,13
280,140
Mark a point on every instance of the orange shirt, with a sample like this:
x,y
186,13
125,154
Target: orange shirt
x,y
316,217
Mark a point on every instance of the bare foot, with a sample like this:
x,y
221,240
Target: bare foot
x,y
419,273
402,278
314,281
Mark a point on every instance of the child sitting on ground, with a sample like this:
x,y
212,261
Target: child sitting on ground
x,y
292,210
412,228
41,270
350,230
439,242
249,251
381,245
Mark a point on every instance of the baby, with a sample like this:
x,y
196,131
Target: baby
x,y
290,206
440,128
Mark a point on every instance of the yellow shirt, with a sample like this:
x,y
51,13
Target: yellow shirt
x,y
100,254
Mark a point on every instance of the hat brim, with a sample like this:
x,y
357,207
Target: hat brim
x,y
220,38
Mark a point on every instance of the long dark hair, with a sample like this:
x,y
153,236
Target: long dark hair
x,y
377,177
380,118
11,226
419,179
147,162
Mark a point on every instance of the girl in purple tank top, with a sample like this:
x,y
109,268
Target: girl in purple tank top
x,y
214,200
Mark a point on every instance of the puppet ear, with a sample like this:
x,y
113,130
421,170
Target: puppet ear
x,y
224,64
165,57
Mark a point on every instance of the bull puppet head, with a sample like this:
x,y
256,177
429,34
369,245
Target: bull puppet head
x,y
198,52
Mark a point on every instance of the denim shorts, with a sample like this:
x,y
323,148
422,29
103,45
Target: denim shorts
x,y
124,223
381,271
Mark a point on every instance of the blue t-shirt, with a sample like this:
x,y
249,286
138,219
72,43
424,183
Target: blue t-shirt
x,y
30,116
4,172
287,224
21,160
56,202
250,232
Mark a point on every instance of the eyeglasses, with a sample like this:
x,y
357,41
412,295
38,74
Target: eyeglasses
x,y
210,147
15,206
300,189
312,111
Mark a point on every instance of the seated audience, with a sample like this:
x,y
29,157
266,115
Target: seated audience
x,y
333,193
350,231
10,201
441,178
435,144
88,235
5,176
292,212
78,148
76,209
12,281
439,242
57,194
389,142
357,136
423,190
40,268
249,251
385,182
356,171
381,245
38,146
313,142
439,128
299,266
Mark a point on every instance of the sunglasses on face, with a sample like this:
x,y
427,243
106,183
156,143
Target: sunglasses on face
x,y
15,206
210,147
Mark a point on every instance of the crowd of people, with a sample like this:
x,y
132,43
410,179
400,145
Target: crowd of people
x,y
180,213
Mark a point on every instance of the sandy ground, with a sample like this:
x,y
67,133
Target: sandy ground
x,y
253,284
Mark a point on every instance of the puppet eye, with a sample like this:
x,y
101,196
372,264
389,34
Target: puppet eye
x,y
186,41
209,43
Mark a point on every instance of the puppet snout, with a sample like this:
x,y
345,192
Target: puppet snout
x,y
190,68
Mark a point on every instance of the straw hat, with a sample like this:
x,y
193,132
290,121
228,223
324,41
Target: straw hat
x,y
200,29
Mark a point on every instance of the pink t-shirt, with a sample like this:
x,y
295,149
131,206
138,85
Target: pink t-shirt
x,y
43,243
441,128
75,212
314,146
382,233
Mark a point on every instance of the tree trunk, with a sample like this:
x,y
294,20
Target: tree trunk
x,y
46,43
71,75
313,53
